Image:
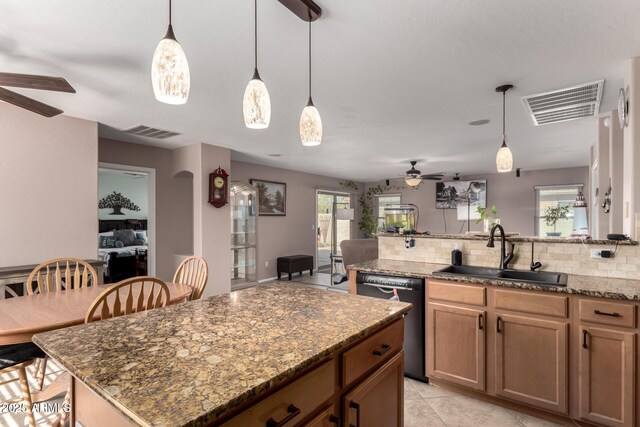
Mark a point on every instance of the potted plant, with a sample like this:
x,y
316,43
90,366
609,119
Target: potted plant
x,y
488,220
551,217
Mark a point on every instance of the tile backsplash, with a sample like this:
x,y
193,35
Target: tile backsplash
x,y
570,258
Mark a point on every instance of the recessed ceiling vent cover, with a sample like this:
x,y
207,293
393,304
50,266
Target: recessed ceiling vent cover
x,y
142,130
565,104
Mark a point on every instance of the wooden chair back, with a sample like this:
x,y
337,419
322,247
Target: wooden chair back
x,y
61,273
129,296
194,272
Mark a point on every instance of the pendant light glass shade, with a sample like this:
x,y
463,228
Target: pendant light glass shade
x,y
310,126
504,159
256,105
170,70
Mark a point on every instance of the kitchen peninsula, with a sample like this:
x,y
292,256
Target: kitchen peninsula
x,y
253,357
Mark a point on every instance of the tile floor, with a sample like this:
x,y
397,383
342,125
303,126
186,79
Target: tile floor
x,y
426,405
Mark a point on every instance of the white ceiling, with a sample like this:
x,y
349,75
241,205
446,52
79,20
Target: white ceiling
x,y
394,80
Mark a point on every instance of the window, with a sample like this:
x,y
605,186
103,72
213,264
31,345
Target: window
x,y
555,196
381,202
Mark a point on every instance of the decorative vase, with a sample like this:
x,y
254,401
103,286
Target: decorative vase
x,y
486,225
117,210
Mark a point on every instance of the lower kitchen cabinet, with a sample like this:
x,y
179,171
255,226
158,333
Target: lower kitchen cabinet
x,y
531,361
607,373
327,418
456,344
377,400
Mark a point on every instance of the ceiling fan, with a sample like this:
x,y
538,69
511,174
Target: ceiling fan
x,y
30,81
414,176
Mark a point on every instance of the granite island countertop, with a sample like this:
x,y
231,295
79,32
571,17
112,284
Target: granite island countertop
x,y
603,287
189,364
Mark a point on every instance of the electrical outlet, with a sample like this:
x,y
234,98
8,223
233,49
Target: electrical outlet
x,y
601,253
266,265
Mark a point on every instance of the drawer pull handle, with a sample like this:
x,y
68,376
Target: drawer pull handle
x,y
498,321
355,406
293,412
604,313
481,322
584,338
334,420
385,348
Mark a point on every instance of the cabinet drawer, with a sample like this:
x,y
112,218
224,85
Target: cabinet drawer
x,y
608,313
294,402
452,292
372,352
532,302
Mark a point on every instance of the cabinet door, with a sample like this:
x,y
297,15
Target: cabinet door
x,y
607,373
326,418
379,399
531,361
456,345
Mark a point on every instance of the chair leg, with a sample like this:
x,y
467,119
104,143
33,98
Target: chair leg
x,y
26,395
42,371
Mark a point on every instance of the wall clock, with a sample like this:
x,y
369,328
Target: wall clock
x,y
623,108
219,188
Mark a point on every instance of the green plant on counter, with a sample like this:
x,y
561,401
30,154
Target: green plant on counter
x,y
367,222
554,214
484,214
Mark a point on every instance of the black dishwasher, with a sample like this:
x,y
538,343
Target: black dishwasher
x,y
410,289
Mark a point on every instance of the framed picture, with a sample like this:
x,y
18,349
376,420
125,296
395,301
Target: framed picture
x,y
272,197
465,196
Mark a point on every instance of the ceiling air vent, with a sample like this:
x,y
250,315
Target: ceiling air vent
x,y
142,130
564,104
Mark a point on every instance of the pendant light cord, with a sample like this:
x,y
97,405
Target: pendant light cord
x,y
309,55
169,12
504,132
255,33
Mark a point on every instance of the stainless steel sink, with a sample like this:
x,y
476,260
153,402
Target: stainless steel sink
x,y
538,277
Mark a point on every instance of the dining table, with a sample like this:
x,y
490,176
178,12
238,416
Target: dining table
x,y
23,317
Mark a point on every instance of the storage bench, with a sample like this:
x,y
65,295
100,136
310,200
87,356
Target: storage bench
x,y
295,263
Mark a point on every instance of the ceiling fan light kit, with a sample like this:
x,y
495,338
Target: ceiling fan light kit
x,y
170,70
256,104
504,158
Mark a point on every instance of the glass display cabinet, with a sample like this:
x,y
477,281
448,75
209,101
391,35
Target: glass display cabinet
x,y
244,232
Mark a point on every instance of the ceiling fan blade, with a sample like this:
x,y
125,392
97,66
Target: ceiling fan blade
x,y
432,177
30,81
28,103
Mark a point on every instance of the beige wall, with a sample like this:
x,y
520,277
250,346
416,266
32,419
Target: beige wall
x,y
211,226
294,233
173,200
514,197
48,187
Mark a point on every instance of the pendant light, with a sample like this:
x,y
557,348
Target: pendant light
x,y
170,70
310,122
504,158
256,105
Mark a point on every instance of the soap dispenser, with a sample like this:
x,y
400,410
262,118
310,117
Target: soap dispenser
x,y
456,256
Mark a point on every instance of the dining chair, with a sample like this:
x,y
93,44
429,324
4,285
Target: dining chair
x,y
16,357
129,296
60,274
57,275
193,272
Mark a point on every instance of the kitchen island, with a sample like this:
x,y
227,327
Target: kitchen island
x,y
254,356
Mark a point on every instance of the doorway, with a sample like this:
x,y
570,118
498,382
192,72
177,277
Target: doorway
x,y
127,200
333,225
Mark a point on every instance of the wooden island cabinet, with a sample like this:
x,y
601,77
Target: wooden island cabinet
x,y
571,355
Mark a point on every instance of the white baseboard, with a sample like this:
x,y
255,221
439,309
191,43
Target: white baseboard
x,y
267,279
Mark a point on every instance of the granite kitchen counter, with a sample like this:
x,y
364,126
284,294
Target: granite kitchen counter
x,y
190,364
603,287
